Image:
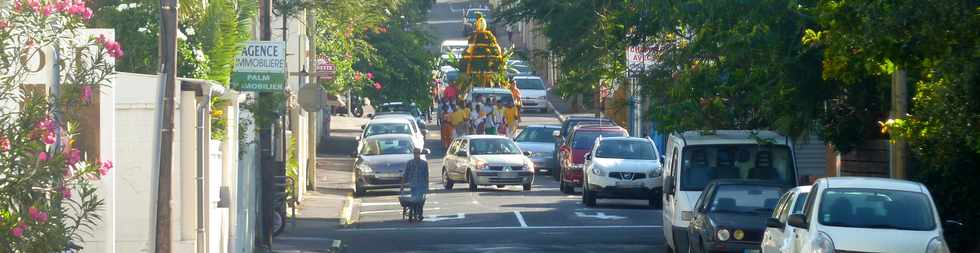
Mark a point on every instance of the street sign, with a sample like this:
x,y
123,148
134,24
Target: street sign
x,y
260,66
325,69
312,98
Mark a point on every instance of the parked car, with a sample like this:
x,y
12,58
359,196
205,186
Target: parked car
x,y
567,125
861,214
694,158
486,160
622,167
731,215
380,161
405,115
572,152
537,139
403,107
393,125
534,95
778,236
469,20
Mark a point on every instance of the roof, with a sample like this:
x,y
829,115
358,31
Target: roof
x,y
490,90
598,128
389,136
543,126
455,43
586,118
398,103
390,120
394,115
805,188
527,77
873,183
731,137
626,138
485,136
729,181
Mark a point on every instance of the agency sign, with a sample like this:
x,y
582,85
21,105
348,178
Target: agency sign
x,y
260,66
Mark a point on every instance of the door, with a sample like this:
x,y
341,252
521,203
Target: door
x,y
772,240
460,162
670,197
801,235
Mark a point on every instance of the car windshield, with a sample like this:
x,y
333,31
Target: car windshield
x,y
505,98
745,199
392,146
387,128
530,84
472,14
626,149
570,124
703,163
876,208
585,139
536,134
521,68
493,147
399,108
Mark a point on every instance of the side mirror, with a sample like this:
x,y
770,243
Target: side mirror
x,y
370,115
556,133
773,223
797,220
363,127
669,185
527,153
588,156
461,153
426,151
663,158
353,155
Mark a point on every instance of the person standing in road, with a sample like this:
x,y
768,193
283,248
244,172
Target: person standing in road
x,y
447,124
458,120
498,118
416,176
476,119
513,119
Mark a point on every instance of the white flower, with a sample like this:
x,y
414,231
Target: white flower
x,y
199,55
143,30
189,31
123,7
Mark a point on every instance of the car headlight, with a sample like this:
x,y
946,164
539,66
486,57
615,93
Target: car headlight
x,y
596,171
937,245
822,244
723,234
365,169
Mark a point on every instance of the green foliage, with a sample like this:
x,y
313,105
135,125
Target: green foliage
x,y
404,67
136,25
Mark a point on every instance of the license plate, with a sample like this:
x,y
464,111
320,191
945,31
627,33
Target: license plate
x,y
750,251
508,174
389,175
624,184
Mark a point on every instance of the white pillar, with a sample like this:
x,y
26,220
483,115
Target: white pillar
x,y
188,167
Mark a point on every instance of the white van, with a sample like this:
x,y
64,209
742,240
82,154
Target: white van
x,y
456,47
694,158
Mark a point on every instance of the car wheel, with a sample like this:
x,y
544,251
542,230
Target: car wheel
x,y
446,181
527,187
588,197
566,188
472,181
358,190
500,186
656,201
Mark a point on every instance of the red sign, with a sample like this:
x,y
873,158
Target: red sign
x,y
325,69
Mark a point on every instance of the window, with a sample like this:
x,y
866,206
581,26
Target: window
x,y
387,128
703,163
585,139
536,134
493,147
780,212
530,84
808,206
386,147
745,199
626,149
800,203
876,208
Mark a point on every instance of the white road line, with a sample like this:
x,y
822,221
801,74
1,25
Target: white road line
x,y
475,202
520,219
498,228
380,204
395,211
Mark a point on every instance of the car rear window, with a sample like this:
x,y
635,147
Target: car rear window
x,y
585,139
876,208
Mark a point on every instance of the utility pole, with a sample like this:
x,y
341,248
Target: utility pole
x,y
898,159
168,63
263,234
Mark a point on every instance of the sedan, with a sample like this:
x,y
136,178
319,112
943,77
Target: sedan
x,y
486,160
537,139
381,160
731,215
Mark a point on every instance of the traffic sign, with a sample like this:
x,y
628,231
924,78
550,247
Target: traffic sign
x,y
260,66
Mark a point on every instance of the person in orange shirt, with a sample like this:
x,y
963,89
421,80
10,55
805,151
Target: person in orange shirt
x,y
447,124
512,117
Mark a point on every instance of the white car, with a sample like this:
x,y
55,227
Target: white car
x,y
486,160
778,235
392,125
622,167
859,214
533,93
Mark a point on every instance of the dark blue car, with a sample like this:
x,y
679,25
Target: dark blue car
x,y
731,215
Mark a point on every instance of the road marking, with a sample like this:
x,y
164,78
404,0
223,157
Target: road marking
x,y
381,204
396,211
496,228
435,218
520,219
475,202
599,215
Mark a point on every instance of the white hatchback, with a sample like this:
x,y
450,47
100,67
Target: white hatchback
x,y
858,214
779,236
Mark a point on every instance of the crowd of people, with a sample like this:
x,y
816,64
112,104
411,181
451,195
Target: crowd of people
x,y
482,115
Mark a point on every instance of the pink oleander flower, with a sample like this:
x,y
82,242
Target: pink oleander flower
x,y
49,9
38,215
4,144
42,156
46,124
113,48
106,166
65,192
377,86
87,13
370,76
3,24
86,94
35,5
48,137
73,156
18,231
17,6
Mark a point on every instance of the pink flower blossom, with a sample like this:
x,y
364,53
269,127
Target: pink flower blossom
x,y
18,231
112,47
370,76
42,156
101,39
87,13
86,94
73,156
49,9
46,124
106,166
377,86
17,5
35,5
3,24
48,137
65,192
38,215
4,144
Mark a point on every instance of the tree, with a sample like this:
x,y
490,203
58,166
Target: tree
x,y
48,194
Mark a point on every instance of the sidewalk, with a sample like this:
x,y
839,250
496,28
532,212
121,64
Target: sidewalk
x,y
328,207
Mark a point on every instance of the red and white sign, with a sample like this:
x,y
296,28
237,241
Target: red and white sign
x,y
325,69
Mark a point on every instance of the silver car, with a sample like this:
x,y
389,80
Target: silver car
x,y
486,160
381,160
539,141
